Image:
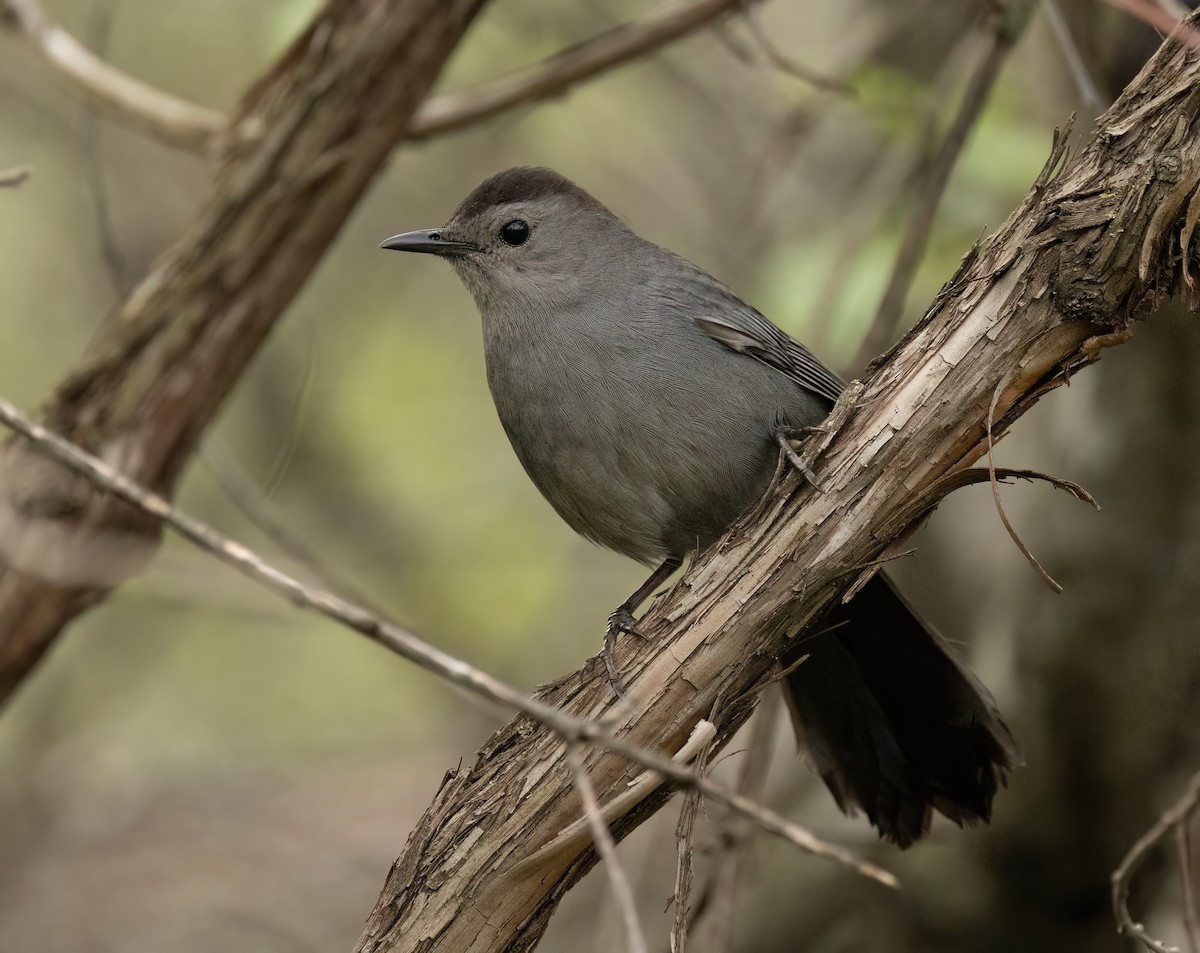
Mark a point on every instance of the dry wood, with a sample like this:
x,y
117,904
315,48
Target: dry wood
x,y
1091,249
330,112
1177,818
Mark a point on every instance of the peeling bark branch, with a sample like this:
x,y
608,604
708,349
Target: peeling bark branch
x,y
1093,247
330,113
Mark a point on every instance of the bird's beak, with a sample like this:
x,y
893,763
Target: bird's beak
x,y
430,242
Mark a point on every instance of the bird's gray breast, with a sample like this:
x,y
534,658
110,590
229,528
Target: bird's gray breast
x,y
645,434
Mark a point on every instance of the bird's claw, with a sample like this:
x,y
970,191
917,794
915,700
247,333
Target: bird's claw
x,y
784,437
620,622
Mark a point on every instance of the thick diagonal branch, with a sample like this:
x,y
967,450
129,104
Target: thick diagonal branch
x,y
329,114
1091,249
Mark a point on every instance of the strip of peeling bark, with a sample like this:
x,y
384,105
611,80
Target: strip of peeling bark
x,y
1091,249
328,113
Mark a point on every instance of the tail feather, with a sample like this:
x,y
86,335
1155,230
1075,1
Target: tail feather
x,y
894,721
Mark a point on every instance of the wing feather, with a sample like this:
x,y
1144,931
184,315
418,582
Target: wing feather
x,y
746,331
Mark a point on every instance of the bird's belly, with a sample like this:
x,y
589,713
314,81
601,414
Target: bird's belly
x,y
632,466
590,479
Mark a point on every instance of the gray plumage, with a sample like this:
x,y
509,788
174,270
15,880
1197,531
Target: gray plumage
x,y
643,398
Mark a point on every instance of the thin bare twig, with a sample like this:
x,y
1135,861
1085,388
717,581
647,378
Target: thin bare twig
x,y
117,268
568,727
1187,885
560,72
1174,816
735,837
786,64
607,849
870,34
200,129
1165,16
254,502
1050,580
1000,40
957,479
1089,91
891,171
11,178
264,514
685,839
118,95
571,836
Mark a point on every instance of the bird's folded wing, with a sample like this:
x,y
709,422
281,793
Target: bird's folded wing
x,y
746,331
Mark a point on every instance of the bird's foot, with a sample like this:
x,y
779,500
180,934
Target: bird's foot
x,y
621,621
789,439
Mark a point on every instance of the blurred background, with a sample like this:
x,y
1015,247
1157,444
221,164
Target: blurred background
x,y
198,766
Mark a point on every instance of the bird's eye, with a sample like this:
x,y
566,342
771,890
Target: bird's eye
x,y
515,232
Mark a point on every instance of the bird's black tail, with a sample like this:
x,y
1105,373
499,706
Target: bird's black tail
x,y
894,721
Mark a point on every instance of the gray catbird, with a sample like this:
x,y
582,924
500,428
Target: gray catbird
x,y
649,405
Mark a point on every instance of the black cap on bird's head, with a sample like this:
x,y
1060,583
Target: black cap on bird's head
x,y
517,228
520,185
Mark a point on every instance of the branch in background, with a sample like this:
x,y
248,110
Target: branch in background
x,y
607,849
120,276
1176,8
869,35
1187,886
1175,817
1089,91
1162,16
1004,31
719,900
571,729
199,129
11,178
1165,16
161,115
893,170
787,64
254,502
685,842
558,73
143,394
